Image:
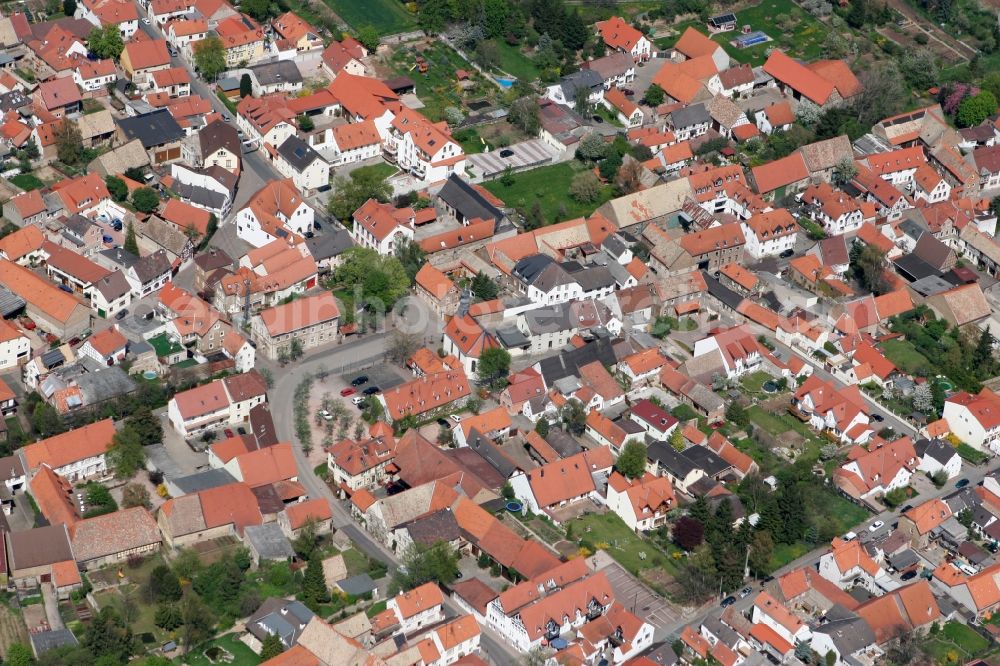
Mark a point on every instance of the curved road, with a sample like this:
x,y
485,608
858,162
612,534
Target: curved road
x,y
281,397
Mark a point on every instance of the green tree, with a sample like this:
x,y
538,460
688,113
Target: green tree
x,y
433,15
69,143
116,188
131,243
369,38
494,366
677,440
844,172
210,57
163,585
305,123
919,67
106,42
145,199
868,265
654,95
591,147
761,550
585,187
19,654
198,621
45,420
974,110
483,288
542,427
246,86
126,454
259,9
271,647
168,616
135,494
422,563
574,416
295,349
109,637
146,425
350,192
69,7
412,257
524,115
314,590
631,462
383,280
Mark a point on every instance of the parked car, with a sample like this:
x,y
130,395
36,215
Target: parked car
x,y
962,483
121,315
326,415
878,418
906,508
728,601
372,390
876,526
787,253
909,575
348,391
457,418
241,431
443,423
359,400
746,592
229,433
359,380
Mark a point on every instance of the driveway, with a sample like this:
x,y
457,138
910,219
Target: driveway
x,y
644,75
183,456
52,607
635,595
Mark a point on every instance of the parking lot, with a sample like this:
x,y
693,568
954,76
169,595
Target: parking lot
x,y
635,596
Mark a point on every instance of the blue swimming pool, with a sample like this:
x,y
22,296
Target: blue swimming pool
x,y
506,82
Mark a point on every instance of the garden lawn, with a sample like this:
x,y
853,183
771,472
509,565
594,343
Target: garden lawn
x,y
970,454
241,654
382,170
906,357
355,561
785,553
776,424
956,637
27,181
438,87
549,186
515,63
621,543
754,382
386,16
803,39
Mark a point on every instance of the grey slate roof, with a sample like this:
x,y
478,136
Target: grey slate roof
x,y
281,617
152,129
438,526
935,448
151,266
682,463
269,541
298,153
357,585
465,199
330,244
44,641
112,286
569,362
847,630
689,116
585,78
218,134
491,454
9,302
281,71
210,478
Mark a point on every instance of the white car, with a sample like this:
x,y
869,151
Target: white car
x,y
876,526
456,418
326,415
145,21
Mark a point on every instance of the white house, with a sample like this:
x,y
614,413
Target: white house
x,y
975,419
382,227
848,564
219,403
345,144
297,160
770,233
837,211
936,456
122,13
15,347
769,611
885,468
738,347
74,455
272,212
423,148
417,609
93,75
643,504
620,36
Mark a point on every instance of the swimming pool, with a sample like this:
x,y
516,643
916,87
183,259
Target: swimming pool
x,y
505,82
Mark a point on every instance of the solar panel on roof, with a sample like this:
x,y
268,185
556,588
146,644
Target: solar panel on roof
x,y
10,302
53,357
723,18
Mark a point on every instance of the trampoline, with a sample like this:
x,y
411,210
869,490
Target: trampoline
x,y
751,39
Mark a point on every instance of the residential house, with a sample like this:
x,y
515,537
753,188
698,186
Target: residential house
x,y
975,419
296,159
158,132
141,58
770,233
242,38
74,455
311,321
849,565
272,212
222,402
641,503
620,36
869,474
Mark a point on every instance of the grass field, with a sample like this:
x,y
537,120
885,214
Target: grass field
x,y
241,654
777,424
905,356
27,181
971,455
381,170
516,63
621,543
438,87
802,39
386,16
549,186
959,639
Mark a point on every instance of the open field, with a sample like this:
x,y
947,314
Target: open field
x,y
609,532
802,38
905,356
549,186
386,16
516,63
241,654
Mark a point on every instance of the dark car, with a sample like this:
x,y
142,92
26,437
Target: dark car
x,y
906,508
121,315
372,390
728,601
787,253
506,152
443,423
241,430
358,381
878,418
909,575
962,483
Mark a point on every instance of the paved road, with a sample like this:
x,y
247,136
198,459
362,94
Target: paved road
x,y
281,397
